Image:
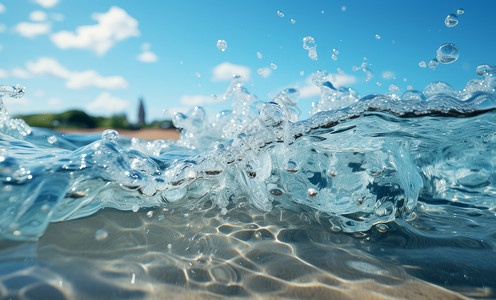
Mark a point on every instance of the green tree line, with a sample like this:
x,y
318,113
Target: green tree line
x,y
78,119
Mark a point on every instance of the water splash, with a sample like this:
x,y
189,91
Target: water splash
x,y
12,126
355,163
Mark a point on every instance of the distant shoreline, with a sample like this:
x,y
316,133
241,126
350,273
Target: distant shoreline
x,y
144,134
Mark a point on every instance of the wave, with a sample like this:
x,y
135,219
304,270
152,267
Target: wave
x,y
357,162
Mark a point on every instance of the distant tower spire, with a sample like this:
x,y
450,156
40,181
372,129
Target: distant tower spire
x,y
141,112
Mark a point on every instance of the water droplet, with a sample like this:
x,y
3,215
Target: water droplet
x,y
169,246
312,53
460,11
382,228
309,43
293,21
433,63
222,45
334,55
312,192
377,36
422,64
149,214
101,234
110,134
451,20
447,53
259,55
280,13
52,139
273,66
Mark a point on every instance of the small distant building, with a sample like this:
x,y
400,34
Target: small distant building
x,y
141,113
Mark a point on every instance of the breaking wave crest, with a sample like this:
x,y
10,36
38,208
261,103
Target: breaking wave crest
x,y
355,163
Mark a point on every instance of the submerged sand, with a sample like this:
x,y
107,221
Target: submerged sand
x,y
165,254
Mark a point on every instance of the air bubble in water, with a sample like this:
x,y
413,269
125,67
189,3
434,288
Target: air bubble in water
x,y
101,234
110,134
222,45
52,139
280,13
382,228
293,21
460,11
273,66
312,192
447,53
292,166
377,36
422,64
259,55
433,63
451,20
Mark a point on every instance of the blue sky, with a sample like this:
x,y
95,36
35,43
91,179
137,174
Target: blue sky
x,y
102,55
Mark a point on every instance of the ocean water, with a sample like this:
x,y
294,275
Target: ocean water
x,y
383,195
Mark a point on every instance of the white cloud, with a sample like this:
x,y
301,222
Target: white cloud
x,y
57,17
338,80
75,80
54,102
2,8
48,66
20,73
31,30
196,100
342,79
90,78
113,26
226,70
147,55
107,104
309,90
3,73
38,16
47,3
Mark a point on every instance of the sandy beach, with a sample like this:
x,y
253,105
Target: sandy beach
x,y
144,134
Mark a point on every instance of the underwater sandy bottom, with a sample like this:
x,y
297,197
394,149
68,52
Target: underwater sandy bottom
x,y
162,254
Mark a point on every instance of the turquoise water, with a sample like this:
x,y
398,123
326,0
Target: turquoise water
x,y
370,192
